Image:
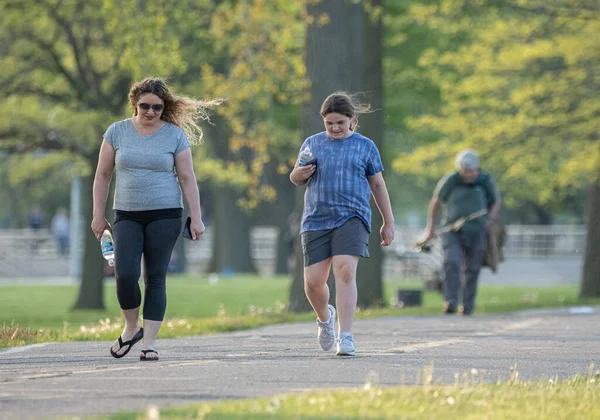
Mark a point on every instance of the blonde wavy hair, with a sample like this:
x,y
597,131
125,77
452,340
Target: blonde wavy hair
x,y
182,111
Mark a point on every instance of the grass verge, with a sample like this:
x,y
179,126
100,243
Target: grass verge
x,y
33,314
575,398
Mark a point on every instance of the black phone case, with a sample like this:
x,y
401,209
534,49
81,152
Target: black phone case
x,y
313,161
186,228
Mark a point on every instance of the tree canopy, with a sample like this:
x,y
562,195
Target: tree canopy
x,y
521,88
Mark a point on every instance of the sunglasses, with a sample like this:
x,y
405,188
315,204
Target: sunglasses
x,y
155,107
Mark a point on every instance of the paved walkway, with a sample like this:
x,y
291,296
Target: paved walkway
x,y
80,379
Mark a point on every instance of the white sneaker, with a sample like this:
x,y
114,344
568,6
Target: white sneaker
x,y
326,331
345,345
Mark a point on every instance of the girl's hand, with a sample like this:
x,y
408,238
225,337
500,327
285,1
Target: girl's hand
x,y
387,234
302,173
99,224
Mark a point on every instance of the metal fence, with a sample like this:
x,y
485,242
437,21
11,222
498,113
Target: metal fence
x,y
25,252
525,244
544,242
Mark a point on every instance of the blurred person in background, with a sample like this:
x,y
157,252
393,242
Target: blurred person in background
x,y
60,229
336,221
36,222
36,218
463,192
151,155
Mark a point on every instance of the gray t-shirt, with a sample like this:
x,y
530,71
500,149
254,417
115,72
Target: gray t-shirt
x,y
145,166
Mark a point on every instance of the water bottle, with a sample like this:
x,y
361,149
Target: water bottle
x,y
108,250
305,156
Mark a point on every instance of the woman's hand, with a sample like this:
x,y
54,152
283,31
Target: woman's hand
x,y
99,224
196,229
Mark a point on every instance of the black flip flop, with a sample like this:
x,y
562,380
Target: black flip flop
x,y
137,337
148,359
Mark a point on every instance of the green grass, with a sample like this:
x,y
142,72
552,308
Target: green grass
x,y
30,314
576,398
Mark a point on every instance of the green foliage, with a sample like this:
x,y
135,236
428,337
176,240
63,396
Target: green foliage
x,y
261,74
68,66
522,90
408,92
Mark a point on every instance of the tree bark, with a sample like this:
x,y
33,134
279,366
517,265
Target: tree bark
x,y
231,235
279,214
91,288
16,215
590,282
369,276
231,248
332,64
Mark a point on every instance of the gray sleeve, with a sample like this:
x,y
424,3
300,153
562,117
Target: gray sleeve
x,y
110,136
182,143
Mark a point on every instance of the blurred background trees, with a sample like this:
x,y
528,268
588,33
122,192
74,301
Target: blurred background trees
x,y
517,81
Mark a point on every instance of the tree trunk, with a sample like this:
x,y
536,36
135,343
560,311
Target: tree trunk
x,y
16,214
231,235
369,275
282,218
231,247
280,214
590,283
332,64
91,288
543,216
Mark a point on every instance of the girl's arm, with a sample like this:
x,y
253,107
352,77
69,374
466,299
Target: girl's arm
x,y
382,200
301,174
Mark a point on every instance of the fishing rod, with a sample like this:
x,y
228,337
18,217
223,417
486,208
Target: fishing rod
x,y
455,226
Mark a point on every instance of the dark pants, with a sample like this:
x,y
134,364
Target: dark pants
x,y
154,238
463,249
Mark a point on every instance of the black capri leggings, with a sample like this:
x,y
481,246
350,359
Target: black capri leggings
x,y
152,233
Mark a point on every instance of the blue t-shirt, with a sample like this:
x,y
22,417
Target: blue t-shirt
x,y
339,189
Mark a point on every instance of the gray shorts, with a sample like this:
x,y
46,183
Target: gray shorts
x,y
352,238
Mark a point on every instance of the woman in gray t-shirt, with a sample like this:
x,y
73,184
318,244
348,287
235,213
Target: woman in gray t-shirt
x,y
150,153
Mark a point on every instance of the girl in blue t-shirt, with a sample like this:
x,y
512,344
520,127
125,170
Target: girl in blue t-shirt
x,y
345,171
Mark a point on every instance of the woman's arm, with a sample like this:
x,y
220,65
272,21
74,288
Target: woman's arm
x,y
187,181
104,172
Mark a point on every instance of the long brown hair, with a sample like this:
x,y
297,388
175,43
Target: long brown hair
x,y
182,111
347,104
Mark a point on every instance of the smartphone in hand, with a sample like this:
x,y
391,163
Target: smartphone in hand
x,y
313,161
186,228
